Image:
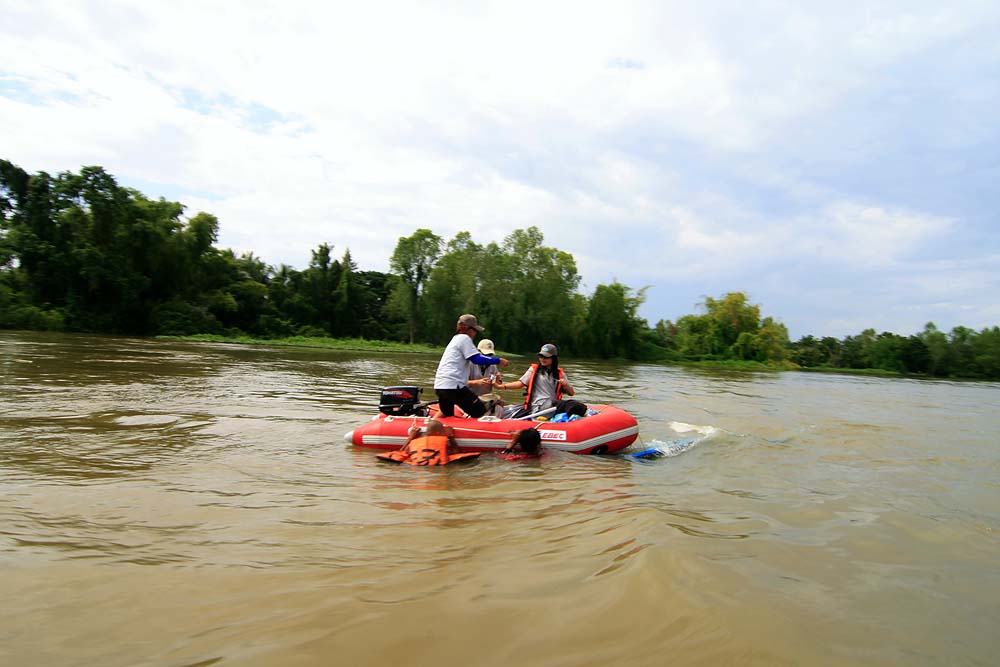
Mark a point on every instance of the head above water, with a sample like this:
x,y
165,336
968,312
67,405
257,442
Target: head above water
x,y
528,441
434,427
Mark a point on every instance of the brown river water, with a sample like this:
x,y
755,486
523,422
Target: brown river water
x,y
183,504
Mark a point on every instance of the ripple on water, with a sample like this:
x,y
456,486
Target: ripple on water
x,y
785,507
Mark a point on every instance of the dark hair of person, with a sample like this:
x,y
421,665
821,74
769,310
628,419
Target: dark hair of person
x,y
553,368
527,440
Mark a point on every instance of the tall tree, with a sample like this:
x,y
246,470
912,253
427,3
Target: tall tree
x,y
346,300
542,292
453,286
936,341
317,297
413,259
986,348
731,316
613,326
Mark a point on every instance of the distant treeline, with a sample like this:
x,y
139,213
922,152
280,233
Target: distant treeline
x,y
960,353
78,252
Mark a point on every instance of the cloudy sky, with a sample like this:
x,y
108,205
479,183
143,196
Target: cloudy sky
x,y
838,162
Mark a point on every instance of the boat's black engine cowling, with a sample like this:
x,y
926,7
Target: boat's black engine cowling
x,y
400,401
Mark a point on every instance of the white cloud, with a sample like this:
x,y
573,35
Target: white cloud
x,y
660,143
860,235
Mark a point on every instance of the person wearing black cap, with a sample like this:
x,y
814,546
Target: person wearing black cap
x,y
546,382
451,382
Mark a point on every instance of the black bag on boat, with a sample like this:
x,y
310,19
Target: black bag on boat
x,y
571,407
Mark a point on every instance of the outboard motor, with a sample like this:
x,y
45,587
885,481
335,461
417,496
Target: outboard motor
x,y
399,401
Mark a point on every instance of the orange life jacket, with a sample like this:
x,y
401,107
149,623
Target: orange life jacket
x,y
531,386
428,450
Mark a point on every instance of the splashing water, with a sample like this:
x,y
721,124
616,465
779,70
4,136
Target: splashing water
x,y
704,431
675,446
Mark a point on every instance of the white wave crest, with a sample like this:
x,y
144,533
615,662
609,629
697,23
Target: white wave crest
x,y
704,431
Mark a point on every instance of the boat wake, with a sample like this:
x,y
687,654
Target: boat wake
x,y
693,435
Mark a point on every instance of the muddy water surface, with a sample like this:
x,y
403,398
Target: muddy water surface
x,y
167,503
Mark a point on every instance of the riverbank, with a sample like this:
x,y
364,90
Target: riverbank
x,y
364,345
735,365
352,344
357,344
871,372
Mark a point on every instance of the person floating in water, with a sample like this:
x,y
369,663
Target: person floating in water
x,y
434,445
525,444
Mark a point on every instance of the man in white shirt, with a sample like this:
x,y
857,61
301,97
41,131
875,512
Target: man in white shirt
x,y
451,382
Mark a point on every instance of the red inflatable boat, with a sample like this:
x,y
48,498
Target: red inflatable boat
x,y
605,429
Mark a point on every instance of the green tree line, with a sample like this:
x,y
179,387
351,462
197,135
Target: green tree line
x,y
79,252
962,352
